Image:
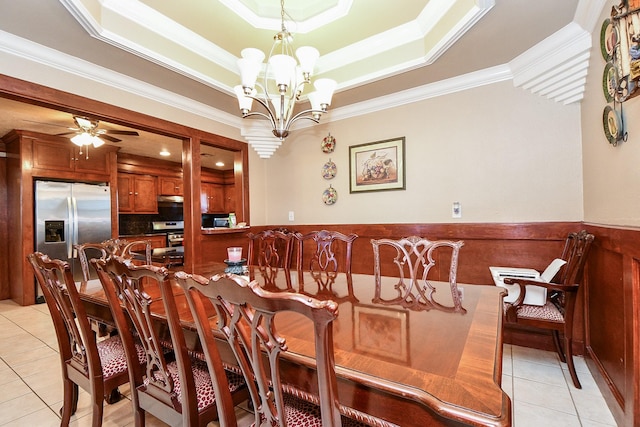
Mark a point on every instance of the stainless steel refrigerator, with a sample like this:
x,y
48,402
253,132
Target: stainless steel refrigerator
x,y
69,213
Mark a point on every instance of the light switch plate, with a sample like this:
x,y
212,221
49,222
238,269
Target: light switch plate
x,y
456,210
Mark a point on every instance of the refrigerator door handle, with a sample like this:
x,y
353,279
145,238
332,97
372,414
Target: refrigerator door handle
x,y
69,232
74,240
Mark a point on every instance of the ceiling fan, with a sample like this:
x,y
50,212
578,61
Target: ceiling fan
x,y
87,132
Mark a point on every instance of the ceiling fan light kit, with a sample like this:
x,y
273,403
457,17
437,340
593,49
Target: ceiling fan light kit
x,y
284,81
85,138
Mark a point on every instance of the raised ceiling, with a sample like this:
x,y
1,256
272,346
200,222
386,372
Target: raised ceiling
x,y
375,49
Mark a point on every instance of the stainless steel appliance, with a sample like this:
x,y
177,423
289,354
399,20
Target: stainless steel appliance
x,y
69,213
174,229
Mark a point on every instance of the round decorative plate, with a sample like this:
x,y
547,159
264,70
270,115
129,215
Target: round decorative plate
x,y
611,124
608,39
329,170
609,81
330,196
328,144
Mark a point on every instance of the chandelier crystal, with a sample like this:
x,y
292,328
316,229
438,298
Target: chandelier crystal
x,y
284,81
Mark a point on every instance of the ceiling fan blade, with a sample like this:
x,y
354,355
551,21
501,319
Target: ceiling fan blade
x,y
109,138
122,132
66,133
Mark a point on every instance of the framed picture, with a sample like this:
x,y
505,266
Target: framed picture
x,y
381,332
377,166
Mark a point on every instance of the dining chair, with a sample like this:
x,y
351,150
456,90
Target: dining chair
x,y
246,318
419,264
176,386
271,251
557,313
324,254
98,367
126,248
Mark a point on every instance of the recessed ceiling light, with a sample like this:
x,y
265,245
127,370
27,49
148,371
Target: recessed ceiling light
x,y
165,153
219,164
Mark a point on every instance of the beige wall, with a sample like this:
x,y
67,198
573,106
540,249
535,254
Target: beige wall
x,y
506,155
611,174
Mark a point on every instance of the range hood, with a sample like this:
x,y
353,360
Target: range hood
x,y
170,199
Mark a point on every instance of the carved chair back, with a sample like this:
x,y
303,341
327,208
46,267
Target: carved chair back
x,y
330,254
78,348
414,258
169,397
120,247
245,314
271,251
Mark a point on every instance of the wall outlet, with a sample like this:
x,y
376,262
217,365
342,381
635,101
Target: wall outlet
x,y
291,216
456,210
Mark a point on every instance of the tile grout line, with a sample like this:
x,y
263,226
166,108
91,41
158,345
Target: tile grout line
x,y
20,376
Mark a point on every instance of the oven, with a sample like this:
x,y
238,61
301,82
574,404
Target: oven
x,y
175,238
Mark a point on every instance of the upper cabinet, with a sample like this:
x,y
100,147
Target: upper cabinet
x,y
67,157
170,186
212,198
52,156
137,193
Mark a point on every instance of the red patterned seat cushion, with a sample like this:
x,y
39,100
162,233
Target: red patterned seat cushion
x,y
547,312
301,413
204,388
112,356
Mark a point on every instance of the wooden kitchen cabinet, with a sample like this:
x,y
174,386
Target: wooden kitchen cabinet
x,y
212,198
68,157
137,193
229,198
170,186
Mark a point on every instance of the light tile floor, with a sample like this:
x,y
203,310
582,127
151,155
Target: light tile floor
x,y
30,380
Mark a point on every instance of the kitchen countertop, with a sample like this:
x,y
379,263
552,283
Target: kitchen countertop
x,y
223,230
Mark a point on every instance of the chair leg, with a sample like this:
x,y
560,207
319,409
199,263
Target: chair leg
x,y
572,369
97,412
70,401
113,397
556,342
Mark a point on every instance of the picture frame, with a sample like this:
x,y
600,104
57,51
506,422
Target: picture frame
x,y
381,332
377,166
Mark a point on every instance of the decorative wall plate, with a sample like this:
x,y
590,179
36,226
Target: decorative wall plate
x,y
328,144
330,196
609,81
329,170
612,125
608,39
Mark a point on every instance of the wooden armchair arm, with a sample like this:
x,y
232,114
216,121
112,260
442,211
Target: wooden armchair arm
x,y
522,283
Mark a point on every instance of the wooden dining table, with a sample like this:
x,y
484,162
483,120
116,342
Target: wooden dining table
x,y
406,367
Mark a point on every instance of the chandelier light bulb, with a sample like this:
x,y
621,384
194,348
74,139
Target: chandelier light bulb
x,y
307,56
284,70
325,88
244,101
250,65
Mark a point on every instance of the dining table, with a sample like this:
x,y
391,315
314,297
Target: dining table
x,y
397,366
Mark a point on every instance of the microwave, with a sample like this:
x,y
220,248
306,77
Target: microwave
x,y
221,222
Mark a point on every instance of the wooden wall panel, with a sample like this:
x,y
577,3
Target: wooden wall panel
x,y
606,316
5,290
612,300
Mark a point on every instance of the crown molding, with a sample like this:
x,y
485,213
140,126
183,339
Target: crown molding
x,y
51,58
560,59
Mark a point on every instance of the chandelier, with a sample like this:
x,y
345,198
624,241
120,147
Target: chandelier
x,y
284,81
